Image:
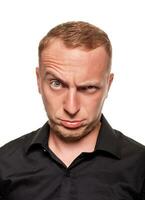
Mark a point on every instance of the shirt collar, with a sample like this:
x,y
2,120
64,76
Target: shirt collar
x,y
107,139
39,138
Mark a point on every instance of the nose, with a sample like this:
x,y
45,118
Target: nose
x,y
71,103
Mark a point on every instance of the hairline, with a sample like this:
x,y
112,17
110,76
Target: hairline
x,y
81,47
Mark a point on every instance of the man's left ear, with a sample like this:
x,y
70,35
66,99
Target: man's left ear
x,y
38,78
110,80
111,77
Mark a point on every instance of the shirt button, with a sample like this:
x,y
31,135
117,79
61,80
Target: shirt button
x,y
44,150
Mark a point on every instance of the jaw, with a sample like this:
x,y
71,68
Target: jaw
x,y
69,134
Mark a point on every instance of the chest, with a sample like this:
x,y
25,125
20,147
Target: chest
x,y
81,182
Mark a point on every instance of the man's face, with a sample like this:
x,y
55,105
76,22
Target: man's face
x,y
74,84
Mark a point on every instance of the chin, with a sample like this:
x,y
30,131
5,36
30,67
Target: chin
x,y
70,135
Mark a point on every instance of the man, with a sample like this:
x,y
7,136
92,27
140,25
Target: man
x,y
76,154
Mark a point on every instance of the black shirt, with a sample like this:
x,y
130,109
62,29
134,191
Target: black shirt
x,y
114,171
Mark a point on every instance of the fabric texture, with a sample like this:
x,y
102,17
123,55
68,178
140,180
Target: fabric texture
x,y
115,170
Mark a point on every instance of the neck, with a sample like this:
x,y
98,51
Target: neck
x,y
68,151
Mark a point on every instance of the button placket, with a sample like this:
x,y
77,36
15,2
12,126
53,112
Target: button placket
x,y
67,174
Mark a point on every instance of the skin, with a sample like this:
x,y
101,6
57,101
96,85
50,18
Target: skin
x,y
74,84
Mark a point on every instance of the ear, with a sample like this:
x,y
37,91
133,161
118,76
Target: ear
x,y
110,80
111,77
38,79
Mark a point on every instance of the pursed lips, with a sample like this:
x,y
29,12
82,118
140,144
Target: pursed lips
x,y
72,123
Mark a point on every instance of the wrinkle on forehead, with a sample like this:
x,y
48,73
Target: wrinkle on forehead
x,y
74,65
72,78
58,52
64,67
66,75
65,60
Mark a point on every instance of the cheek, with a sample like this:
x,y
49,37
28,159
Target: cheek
x,y
51,101
93,104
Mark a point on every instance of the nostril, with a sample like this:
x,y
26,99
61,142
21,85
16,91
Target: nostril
x,y
71,108
71,103
70,113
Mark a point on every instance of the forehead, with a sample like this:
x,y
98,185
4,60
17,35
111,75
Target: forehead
x,y
57,48
58,57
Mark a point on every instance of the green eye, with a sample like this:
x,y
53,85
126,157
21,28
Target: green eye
x,y
55,84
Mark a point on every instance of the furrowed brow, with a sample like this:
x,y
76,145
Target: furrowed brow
x,y
54,76
90,83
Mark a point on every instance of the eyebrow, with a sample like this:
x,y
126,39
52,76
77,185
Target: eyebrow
x,y
81,85
48,73
89,83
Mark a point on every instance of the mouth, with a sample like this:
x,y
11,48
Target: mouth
x,y
72,124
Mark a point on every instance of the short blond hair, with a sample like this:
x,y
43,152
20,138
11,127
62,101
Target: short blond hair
x,y
78,34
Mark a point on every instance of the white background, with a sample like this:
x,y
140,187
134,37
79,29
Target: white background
x,y
24,22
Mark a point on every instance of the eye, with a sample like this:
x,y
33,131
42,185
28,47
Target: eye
x,y
89,89
55,84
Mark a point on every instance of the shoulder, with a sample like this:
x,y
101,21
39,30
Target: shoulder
x,y
129,146
17,146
